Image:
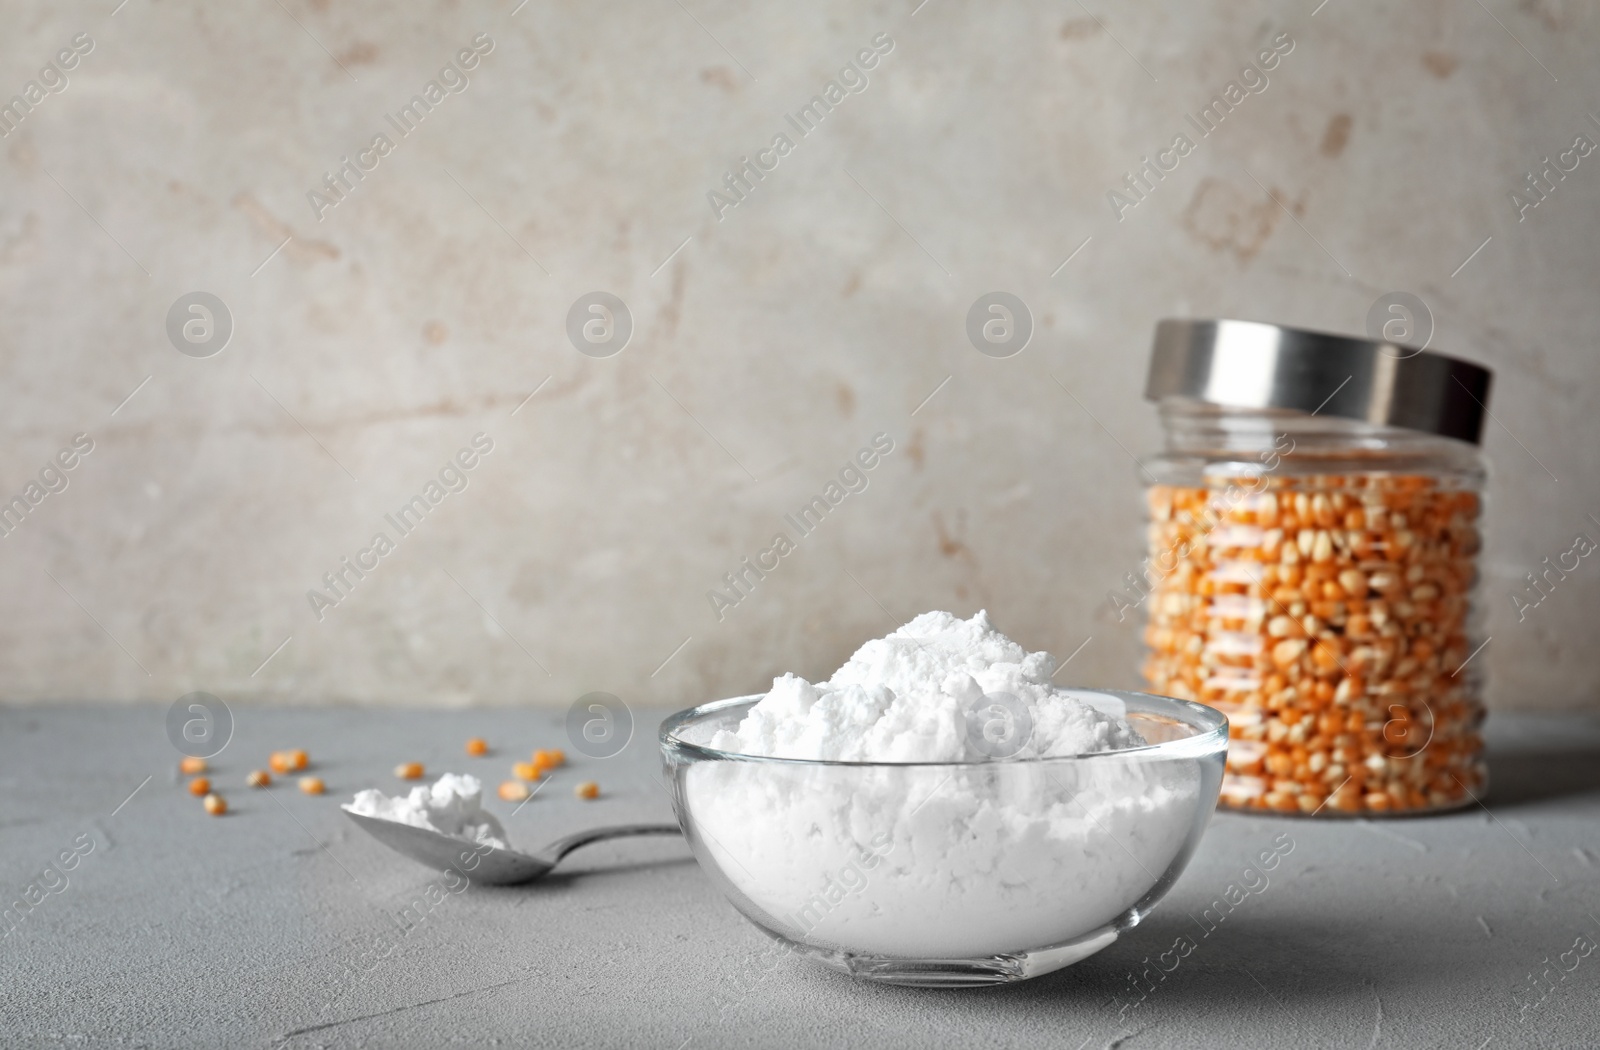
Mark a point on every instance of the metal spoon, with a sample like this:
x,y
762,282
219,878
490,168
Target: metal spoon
x,y
493,867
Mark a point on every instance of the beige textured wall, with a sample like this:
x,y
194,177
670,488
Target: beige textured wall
x,y
425,307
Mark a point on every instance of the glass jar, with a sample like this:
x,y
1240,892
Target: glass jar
x,y
1312,563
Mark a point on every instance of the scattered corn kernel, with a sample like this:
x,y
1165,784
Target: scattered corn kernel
x,y
587,789
292,761
477,746
525,771
514,791
545,760
191,765
200,786
259,778
215,805
409,771
312,785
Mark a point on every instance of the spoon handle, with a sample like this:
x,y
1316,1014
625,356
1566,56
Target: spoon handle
x,y
556,850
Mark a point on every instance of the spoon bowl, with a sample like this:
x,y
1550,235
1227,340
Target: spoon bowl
x,y
490,865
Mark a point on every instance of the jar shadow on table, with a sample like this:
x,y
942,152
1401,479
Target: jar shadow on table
x,y
1526,776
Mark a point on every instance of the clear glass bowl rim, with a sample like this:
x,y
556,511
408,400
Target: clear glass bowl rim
x,y
1210,725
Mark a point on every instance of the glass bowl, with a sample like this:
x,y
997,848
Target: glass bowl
x,y
952,873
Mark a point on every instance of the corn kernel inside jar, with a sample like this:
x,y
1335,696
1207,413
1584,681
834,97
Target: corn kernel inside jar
x,y
1328,616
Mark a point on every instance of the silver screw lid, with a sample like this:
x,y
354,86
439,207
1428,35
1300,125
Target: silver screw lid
x,y
1248,364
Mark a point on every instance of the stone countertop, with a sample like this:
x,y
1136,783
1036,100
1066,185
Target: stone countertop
x,y
276,925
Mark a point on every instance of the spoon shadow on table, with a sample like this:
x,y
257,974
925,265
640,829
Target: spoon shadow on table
x,y
490,865
565,878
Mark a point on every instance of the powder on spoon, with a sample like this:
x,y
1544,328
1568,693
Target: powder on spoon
x,y
452,805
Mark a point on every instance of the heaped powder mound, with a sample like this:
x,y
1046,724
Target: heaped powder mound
x,y
452,805
907,697
1000,840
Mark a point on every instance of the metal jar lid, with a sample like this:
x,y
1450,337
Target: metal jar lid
x,y
1247,364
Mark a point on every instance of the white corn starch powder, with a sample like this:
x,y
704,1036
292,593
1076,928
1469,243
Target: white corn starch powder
x,y
452,805
964,861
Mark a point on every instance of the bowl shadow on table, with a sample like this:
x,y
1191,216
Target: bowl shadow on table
x,y
1280,967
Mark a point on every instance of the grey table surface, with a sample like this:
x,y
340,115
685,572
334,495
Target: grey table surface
x,y
280,924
